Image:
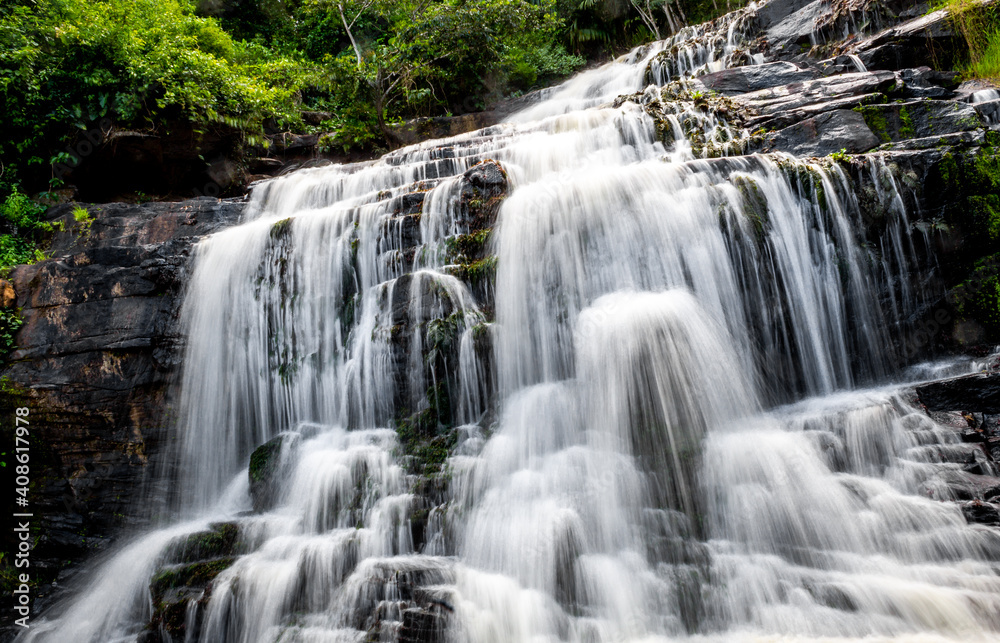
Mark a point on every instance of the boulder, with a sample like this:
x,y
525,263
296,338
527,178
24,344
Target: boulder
x,y
919,119
979,393
841,129
740,80
270,465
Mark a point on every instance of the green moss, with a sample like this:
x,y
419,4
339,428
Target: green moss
x,y
428,436
194,575
975,179
875,119
222,540
442,335
906,130
466,247
263,461
948,169
281,229
476,272
977,298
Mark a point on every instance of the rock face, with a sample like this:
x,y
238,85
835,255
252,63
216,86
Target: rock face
x,y
94,359
976,393
971,405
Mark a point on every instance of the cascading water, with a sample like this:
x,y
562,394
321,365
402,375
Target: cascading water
x,y
620,470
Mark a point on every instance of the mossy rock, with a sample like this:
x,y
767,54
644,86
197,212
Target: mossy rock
x,y
281,229
977,305
427,437
195,575
476,273
971,183
466,248
221,540
919,119
269,463
174,589
485,186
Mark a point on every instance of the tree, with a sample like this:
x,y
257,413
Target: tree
x,y
421,50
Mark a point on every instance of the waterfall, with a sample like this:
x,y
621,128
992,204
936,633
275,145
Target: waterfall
x,y
648,401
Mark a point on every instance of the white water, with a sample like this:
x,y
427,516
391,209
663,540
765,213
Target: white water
x,y
636,482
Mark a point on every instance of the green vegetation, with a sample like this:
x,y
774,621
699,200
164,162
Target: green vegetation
x,y
876,121
427,435
194,575
970,183
979,24
220,542
75,72
21,234
840,156
10,322
83,219
978,297
21,230
977,178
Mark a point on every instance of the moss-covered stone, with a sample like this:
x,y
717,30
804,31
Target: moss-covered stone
x,y
428,436
281,229
754,204
475,273
977,304
266,467
974,178
174,589
900,121
193,575
468,247
221,540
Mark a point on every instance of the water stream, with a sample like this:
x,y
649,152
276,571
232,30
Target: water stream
x,y
683,430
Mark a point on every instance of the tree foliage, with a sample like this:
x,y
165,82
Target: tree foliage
x,y
250,66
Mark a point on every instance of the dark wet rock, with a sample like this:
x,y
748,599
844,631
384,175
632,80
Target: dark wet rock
x,y
98,350
484,187
983,513
181,588
928,40
919,119
775,12
787,104
924,82
741,80
824,134
177,589
270,465
405,601
221,540
979,393
795,28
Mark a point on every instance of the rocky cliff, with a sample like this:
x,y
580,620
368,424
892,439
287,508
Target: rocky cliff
x,y
94,362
